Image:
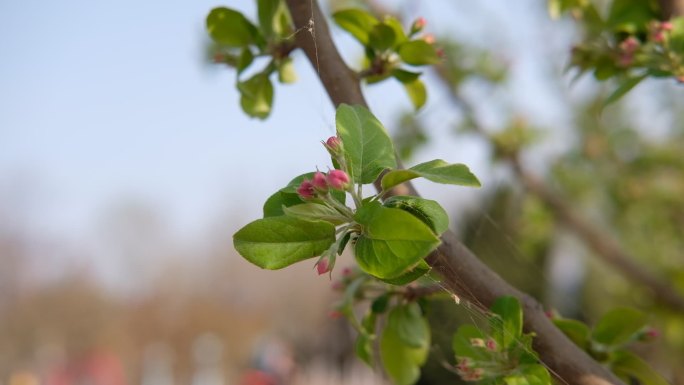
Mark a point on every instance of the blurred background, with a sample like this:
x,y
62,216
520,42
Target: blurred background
x,y
126,165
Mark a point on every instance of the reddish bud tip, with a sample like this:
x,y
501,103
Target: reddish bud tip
x,y
333,142
219,58
490,344
322,266
337,286
649,334
338,179
629,45
319,182
346,272
440,52
306,190
666,26
429,38
418,25
335,314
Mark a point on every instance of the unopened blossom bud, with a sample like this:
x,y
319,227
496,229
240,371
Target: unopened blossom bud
x,y
337,285
418,25
333,145
219,58
666,26
346,272
429,38
490,344
338,179
440,53
474,374
649,335
629,45
322,266
320,182
335,314
463,363
477,342
306,190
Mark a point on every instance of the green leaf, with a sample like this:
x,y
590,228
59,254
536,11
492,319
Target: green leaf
x,y
577,331
402,361
628,366
399,35
230,27
630,16
405,76
463,347
357,22
392,242
529,375
256,96
276,242
363,348
314,212
623,89
507,327
417,93
436,170
274,18
418,53
618,326
286,71
368,148
273,206
428,211
381,37
416,272
246,58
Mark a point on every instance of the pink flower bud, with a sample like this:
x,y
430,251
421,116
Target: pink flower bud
x,y
335,314
306,190
322,266
658,36
418,25
429,38
337,286
319,182
338,179
477,342
440,52
333,145
346,272
649,335
666,26
474,375
490,344
219,58
463,363
629,45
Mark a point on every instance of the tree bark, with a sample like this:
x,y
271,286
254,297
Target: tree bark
x,y
464,274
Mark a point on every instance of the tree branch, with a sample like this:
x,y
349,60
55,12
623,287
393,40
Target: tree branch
x,y
464,274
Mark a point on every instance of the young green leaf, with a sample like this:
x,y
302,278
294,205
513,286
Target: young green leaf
x,y
418,53
314,212
274,18
529,375
399,35
416,92
381,37
256,96
276,242
629,366
368,148
286,71
402,361
436,170
363,348
623,89
428,211
357,22
463,345
507,324
416,272
619,326
273,206
577,331
230,27
392,242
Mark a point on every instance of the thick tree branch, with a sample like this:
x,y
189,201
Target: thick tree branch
x,y
671,8
464,274
606,248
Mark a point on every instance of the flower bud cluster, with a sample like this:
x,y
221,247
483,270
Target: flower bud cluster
x,y
627,49
468,371
659,31
321,183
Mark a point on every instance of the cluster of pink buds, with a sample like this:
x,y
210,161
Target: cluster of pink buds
x,y
347,277
321,183
627,49
659,30
467,372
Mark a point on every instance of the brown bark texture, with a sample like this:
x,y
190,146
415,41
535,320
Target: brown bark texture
x,y
463,273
